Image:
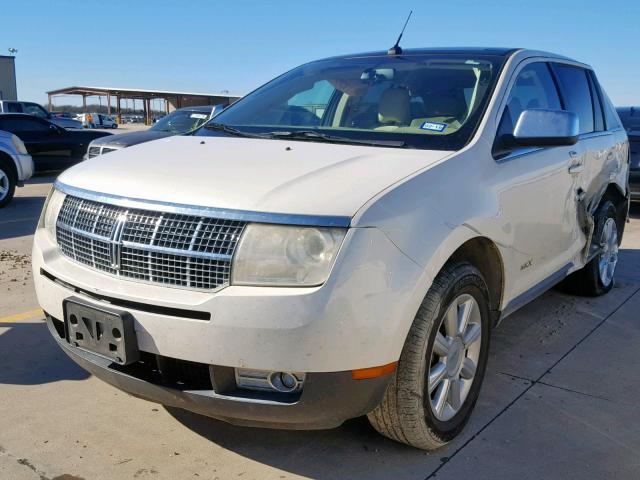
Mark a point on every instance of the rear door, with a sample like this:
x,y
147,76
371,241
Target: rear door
x,y
581,95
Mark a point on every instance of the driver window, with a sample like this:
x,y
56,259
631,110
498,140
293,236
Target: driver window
x,y
534,88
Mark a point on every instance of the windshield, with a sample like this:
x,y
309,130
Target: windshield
x,y
180,121
423,101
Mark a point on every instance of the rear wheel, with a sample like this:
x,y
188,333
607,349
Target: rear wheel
x,y
597,277
7,184
442,364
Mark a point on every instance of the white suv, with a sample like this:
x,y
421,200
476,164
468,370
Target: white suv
x,y
341,241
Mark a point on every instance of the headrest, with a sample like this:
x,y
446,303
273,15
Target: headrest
x,y
395,107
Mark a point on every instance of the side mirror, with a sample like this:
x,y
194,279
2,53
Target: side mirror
x,y
54,129
546,128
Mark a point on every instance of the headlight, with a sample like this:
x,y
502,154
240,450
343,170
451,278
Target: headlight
x,y
280,255
50,211
19,145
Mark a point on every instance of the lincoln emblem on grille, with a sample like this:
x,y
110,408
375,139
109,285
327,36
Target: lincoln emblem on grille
x,y
115,248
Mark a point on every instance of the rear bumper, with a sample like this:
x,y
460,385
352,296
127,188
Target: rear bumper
x,y
327,400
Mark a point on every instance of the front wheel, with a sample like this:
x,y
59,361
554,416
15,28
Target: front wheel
x,y
7,184
442,364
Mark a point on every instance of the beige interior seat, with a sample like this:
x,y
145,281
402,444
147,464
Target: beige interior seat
x,y
394,109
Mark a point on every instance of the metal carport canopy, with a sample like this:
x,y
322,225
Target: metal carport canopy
x,y
174,98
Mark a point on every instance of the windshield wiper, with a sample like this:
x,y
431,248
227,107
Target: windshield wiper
x,y
313,135
221,127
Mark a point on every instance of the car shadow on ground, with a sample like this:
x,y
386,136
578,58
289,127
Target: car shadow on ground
x,y
29,356
20,217
354,450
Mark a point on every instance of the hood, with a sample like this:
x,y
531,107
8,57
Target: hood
x,y
123,140
275,176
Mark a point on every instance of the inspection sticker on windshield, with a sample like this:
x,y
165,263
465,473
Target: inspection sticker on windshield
x,y
434,126
199,115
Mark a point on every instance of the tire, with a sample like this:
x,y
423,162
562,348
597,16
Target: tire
x,y
590,281
7,183
407,412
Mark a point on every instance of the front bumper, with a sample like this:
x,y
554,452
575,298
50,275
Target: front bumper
x,y
327,400
358,319
24,165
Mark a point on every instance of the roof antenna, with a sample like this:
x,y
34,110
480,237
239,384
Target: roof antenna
x,y
396,50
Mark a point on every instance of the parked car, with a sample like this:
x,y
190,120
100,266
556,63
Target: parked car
x,y
341,241
16,166
181,121
630,117
31,108
52,147
97,120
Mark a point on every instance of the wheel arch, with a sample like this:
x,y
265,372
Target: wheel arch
x,y
483,253
616,195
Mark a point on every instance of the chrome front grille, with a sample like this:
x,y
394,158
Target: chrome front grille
x,y
186,251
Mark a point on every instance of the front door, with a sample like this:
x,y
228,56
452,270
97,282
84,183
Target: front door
x,y
538,194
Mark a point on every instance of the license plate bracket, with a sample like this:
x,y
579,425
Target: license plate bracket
x,y
106,332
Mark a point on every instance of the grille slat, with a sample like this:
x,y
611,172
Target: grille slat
x,y
185,251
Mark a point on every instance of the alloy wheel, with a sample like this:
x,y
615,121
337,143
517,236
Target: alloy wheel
x,y
454,358
609,254
4,185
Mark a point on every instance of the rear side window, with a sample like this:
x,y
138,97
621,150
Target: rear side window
x,y
12,107
576,93
610,115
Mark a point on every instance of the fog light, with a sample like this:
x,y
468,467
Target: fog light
x,y
284,382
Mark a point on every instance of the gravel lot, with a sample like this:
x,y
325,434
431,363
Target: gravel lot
x,y
560,399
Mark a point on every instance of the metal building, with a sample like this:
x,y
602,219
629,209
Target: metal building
x,y
8,87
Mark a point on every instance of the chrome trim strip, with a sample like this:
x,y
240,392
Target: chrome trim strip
x,y
520,152
176,251
603,133
146,248
212,212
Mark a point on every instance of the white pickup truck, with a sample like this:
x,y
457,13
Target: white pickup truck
x,y
341,241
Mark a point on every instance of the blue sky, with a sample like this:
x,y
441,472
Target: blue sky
x,y
212,46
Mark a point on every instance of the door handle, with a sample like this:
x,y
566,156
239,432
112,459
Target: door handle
x,y
577,164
